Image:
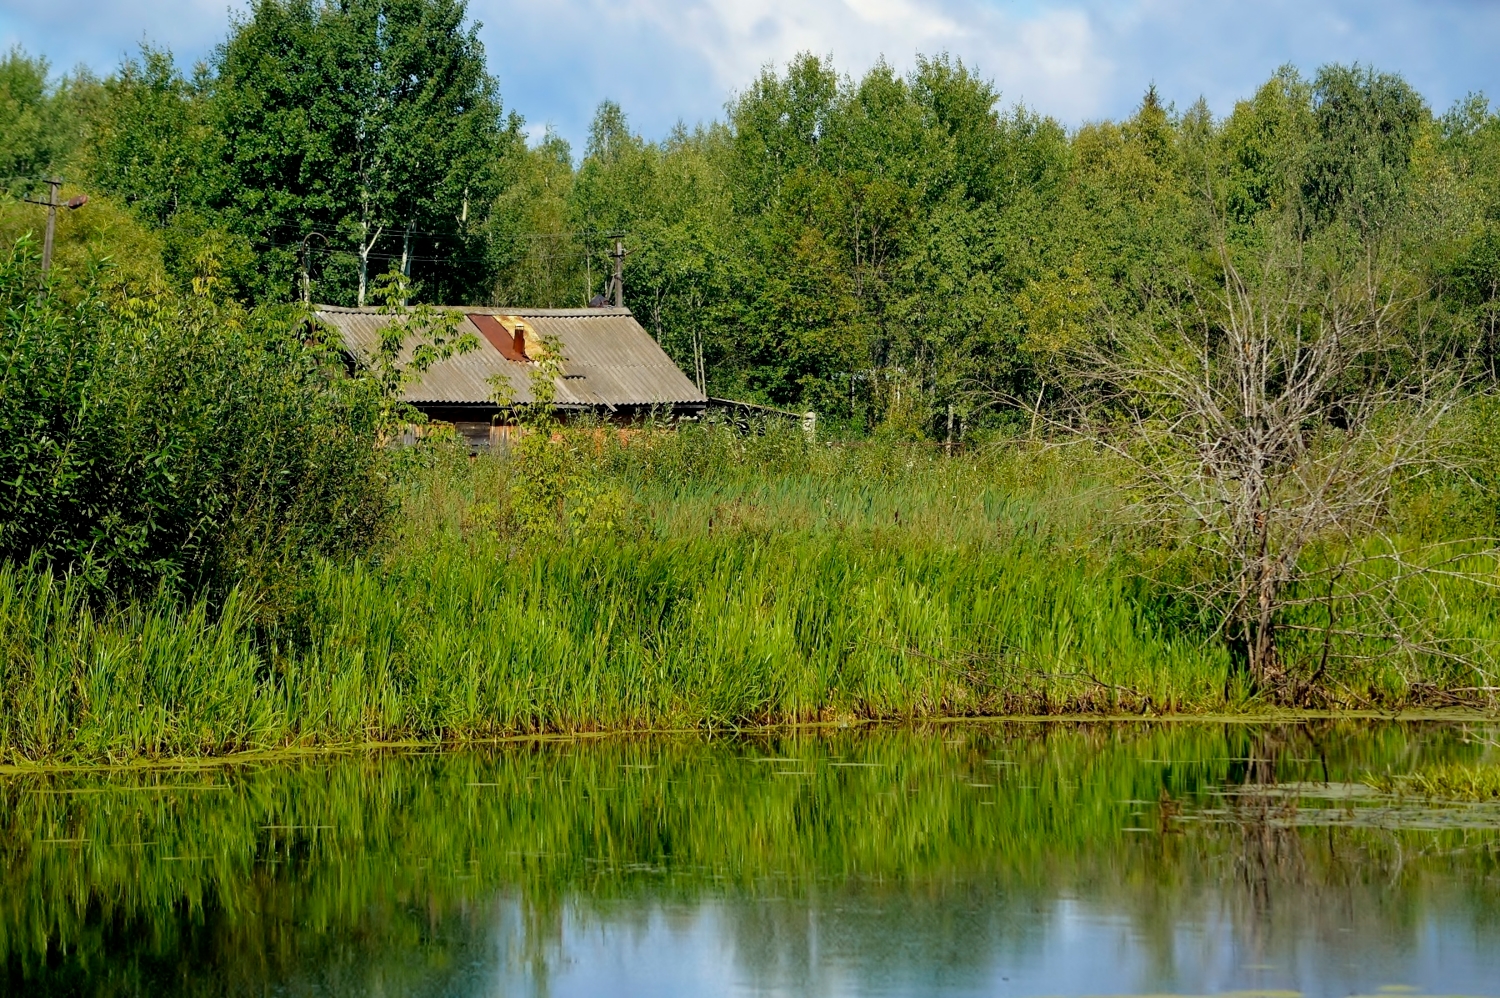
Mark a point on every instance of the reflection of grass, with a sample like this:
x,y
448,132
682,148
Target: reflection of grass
x,y
1449,781
286,859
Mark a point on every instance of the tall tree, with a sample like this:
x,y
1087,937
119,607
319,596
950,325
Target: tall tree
x,y
372,125
1357,162
536,250
671,200
150,144
35,135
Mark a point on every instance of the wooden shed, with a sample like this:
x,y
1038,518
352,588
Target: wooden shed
x,y
611,366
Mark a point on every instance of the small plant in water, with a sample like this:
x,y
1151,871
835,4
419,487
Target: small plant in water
x,y
1450,781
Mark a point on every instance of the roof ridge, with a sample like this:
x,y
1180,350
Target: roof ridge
x,y
582,313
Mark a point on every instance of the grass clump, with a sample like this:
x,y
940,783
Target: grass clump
x,y
722,580
1456,781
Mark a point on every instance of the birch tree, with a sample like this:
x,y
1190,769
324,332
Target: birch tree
x,y
362,120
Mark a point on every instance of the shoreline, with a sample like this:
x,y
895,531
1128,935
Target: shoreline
x,y
289,753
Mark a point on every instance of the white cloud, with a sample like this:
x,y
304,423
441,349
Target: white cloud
x,y
1050,56
536,131
666,60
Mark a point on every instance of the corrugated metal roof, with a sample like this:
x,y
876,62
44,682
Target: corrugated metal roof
x,y
608,359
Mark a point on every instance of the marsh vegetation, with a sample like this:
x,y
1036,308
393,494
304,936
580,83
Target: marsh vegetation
x,y
694,578
1172,414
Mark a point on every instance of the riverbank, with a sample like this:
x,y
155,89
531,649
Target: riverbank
x,y
706,581
298,753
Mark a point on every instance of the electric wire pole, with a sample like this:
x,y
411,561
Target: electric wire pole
x,y
53,184
619,281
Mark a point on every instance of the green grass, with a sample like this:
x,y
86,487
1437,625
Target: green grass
x,y
702,580
1449,781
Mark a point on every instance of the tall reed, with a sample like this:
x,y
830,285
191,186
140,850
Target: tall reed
x,y
705,579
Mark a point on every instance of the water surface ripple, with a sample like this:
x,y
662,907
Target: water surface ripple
x,y
1063,858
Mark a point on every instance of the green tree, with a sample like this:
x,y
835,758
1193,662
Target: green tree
x,y
372,122
538,255
1262,147
152,148
671,199
1365,124
36,136
150,143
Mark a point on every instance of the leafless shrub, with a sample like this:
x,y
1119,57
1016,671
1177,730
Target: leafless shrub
x,y
1268,419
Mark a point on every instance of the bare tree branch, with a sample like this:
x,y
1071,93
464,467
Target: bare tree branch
x,y
1268,420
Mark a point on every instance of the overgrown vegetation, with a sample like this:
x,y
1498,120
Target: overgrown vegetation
x,y
696,580
1175,413
699,578
153,439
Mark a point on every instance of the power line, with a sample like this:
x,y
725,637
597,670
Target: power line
x,y
375,255
395,232
290,222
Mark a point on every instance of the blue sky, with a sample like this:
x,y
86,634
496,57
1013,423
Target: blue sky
x,y
671,60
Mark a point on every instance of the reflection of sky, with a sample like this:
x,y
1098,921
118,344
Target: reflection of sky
x,y
906,945
666,60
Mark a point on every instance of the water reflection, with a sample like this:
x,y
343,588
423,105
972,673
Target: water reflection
x,y
979,859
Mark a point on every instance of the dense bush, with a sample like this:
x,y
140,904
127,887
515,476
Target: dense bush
x,y
152,438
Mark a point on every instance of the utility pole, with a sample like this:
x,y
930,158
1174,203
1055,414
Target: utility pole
x,y
619,279
53,184
51,205
307,265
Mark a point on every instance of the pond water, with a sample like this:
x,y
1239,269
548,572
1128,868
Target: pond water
x,y
966,859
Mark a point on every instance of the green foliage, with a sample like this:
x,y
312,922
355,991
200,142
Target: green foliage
x,y
154,439
150,147
585,583
319,140
553,494
1365,125
896,253
1262,147
703,578
106,242
530,233
833,239
375,123
850,245
841,244
39,123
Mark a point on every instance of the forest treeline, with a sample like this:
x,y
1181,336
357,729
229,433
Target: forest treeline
x,y
885,250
